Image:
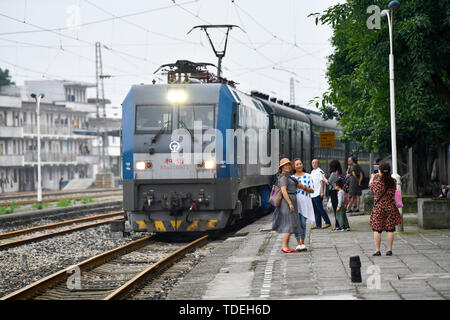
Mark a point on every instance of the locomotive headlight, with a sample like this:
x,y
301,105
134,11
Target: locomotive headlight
x,y
210,164
176,95
140,165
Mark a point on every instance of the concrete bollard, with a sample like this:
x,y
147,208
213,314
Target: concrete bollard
x,y
355,267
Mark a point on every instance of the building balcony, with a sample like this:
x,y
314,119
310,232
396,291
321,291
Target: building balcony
x,y
11,132
79,106
52,130
88,159
10,97
109,151
50,157
11,160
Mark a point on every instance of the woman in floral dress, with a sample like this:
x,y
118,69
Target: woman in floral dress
x,y
385,215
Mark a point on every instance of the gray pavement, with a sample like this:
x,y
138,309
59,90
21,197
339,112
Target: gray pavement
x,y
250,265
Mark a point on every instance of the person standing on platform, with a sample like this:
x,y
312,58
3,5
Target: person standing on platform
x,y
335,171
61,182
355,178
285,217
304,202
317,196
341,215
385,215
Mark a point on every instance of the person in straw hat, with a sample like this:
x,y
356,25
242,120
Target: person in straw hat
x,y
285,217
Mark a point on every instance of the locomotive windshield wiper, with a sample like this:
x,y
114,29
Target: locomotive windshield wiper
x,y
163,129
185,126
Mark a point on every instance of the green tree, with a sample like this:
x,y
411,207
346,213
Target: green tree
x,y
358,77
5,77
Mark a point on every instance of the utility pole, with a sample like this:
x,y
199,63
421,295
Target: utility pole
x,y
100,90
389,14
38,98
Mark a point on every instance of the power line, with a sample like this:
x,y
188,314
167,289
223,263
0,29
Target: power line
x,y
45,29
77,39
270,32
31,70
72,53
102,21
239,41
122,18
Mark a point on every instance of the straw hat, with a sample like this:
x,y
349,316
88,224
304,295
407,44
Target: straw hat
x,y
283,162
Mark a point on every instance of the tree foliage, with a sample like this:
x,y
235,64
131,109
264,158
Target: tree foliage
x,y
5,77
358,73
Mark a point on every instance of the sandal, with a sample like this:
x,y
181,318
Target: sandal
x,y
376,254
288,250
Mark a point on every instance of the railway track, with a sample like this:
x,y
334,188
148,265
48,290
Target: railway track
x,y
22,236
111,275
21,195
24,202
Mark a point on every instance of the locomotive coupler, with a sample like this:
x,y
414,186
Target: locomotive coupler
x,y
148,200
202,199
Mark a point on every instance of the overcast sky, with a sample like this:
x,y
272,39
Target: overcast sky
x,y
279,42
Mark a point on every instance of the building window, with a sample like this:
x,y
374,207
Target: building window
x,y
3,119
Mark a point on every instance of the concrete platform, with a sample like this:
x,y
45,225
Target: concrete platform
x,y
79,184
250,265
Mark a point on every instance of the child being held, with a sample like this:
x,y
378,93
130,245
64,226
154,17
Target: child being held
x,y
341,215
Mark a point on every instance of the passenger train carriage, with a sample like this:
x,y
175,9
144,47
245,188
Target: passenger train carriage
x,y
165,193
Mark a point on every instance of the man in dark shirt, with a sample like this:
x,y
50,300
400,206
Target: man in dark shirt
x,y
355,177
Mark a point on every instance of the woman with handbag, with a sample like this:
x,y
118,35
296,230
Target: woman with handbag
x,y
285,217
385,215
304,202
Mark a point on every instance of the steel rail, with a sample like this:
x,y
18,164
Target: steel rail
x,y
19,195
51,280
56,233
57,224
4,204
125,289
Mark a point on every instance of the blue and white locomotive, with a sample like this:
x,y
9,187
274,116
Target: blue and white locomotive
x,y
164,193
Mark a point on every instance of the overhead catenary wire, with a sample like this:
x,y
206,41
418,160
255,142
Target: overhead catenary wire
x,y
103,21
64,49
270,32
232,37
76,38
31,70
123,18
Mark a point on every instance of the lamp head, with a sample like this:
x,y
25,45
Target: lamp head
x,y
34,95
384,13
394,5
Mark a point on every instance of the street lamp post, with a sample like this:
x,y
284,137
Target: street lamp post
x,y
389,14
38,112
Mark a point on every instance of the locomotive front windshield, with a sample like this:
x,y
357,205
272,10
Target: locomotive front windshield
x,y
202,113
154,119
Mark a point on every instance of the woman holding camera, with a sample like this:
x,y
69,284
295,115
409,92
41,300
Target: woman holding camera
x,y
385,215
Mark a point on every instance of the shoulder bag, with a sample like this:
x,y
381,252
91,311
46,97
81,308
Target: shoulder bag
x,y
398,199
276,195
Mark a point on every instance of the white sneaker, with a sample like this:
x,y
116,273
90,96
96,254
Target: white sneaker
x,y
301,247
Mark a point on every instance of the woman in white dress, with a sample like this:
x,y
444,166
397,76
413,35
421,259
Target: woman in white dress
x,y
304,202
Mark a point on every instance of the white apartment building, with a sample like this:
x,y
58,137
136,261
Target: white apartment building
x,y
64,108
